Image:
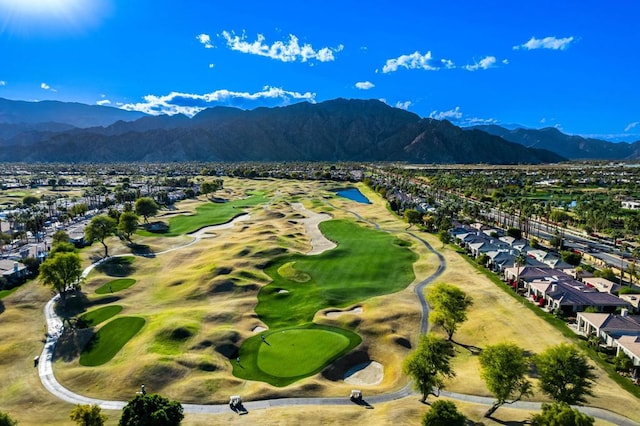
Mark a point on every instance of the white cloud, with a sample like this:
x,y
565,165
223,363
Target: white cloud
x,y
212,65
416,60
289,51
403,105
3,83
485,63
190,104
631,126
103,102
546,43
45,86
452,114
365,85
205,39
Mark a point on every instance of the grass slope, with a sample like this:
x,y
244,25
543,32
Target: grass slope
x,y
106,343
95,317
365,264
209,214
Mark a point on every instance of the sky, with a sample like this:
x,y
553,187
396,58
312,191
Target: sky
x,y
570,64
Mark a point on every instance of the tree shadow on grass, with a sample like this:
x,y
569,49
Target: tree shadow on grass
x,y
141,250
510,423
117,267
1,306
73,304
474,350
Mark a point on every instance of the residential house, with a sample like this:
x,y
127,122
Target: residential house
x,y
12,271
608,327
630,345
572,296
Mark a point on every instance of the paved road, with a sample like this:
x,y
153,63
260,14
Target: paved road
x,y
55,330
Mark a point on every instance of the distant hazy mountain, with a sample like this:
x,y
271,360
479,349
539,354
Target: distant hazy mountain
x,y
572,147
71,113
337,130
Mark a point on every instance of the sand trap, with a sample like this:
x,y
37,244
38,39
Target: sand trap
x,y
207,231
282,291
335,314
258,329
368,374
319,243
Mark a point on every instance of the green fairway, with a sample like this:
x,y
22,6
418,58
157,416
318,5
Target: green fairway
x,y
366,263
115,285
95,317
106,343
209,214
287,355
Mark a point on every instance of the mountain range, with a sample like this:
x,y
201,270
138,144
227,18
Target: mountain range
x,y
335,130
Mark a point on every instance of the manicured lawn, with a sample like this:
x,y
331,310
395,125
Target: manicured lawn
x,y
365,264
290,354
95,317
106,343
5,293
208,214
115,285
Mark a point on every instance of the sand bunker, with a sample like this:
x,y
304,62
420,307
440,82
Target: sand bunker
x,y
207,231
258,329
282,291
335,314
319,243
368,374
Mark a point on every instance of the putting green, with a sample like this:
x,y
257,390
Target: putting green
x,y
115,285
297,352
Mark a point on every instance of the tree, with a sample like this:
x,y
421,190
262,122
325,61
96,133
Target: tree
x,y
429,364
443,413
503,368
514,233
99,228
62,247
565,374
151,410
61,271
412,217
449,307
59,236
88,415
145,207
571,258
444,236
560,415
30,200
7,420
128,224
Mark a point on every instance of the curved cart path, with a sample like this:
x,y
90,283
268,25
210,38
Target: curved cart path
x,y
55,329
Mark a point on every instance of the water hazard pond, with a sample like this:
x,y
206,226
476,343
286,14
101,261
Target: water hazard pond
x,y
353,194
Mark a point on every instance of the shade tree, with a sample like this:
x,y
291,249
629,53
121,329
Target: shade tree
x,y
430,364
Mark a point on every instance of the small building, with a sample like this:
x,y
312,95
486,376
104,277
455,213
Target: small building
x,y
630,346
13,271
608,327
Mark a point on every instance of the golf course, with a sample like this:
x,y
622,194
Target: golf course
x,y
277,289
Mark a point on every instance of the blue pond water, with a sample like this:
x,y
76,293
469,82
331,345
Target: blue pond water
x,y
353,194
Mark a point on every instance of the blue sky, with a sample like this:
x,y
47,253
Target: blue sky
x,y
572,64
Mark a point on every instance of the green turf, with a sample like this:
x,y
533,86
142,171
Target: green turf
x,y
208,214
290,354
5,293
95,317
115,285
365,264
106,343
170,341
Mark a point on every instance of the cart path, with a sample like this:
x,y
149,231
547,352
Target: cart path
x,y
55,329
